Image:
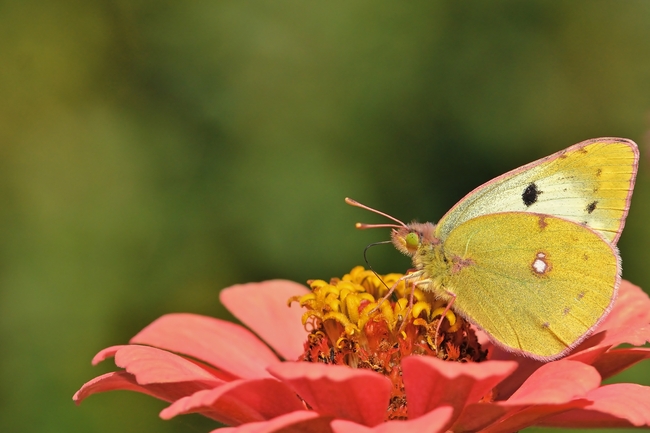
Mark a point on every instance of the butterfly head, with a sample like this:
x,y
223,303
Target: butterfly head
x,y
409,238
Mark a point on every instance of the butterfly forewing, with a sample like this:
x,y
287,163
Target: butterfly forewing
x,y
589,183
537,284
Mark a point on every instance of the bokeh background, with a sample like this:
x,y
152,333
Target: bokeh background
x,y
152,153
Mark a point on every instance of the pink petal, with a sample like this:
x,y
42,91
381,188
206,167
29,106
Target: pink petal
x,y
225,345
631,309
263,308
361,396
109,352
431,382
556,383
590,354
150,365
432,422
636,336
599,345
553,388
617,405
108,382
615,361
477,416
529,416
525,367
124,381
240,402
295,422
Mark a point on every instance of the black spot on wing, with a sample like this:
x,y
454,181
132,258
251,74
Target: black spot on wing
x,y
530,194
591,207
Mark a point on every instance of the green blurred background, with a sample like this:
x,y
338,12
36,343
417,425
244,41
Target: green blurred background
x,y
152,153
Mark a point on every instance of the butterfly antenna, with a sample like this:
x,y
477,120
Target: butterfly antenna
x,y
362,226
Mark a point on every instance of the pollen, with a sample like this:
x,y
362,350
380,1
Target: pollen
x,y
348,325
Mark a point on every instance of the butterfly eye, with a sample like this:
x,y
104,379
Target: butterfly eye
x,y
412,240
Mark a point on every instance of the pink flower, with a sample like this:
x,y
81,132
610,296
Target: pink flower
x,y
225,372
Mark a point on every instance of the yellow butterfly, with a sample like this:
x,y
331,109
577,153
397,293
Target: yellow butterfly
x,y
530,257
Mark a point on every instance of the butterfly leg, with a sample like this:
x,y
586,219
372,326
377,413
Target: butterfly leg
x,y
394,286
410,307
426,285
444,314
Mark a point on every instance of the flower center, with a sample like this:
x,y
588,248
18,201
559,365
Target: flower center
x,y
349,324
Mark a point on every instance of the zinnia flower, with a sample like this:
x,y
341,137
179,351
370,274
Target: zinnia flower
x,y
347,364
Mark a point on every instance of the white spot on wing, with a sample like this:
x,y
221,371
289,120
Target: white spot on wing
x,y
539,265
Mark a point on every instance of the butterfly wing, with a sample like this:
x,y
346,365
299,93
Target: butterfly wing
x,y
536,284
589,183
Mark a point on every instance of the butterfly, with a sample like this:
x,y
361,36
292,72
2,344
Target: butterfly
x,y
530,257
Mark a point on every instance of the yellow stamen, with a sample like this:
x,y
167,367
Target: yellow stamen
x,y
346,325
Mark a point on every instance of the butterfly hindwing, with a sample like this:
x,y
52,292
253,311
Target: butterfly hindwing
x,y
536,284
